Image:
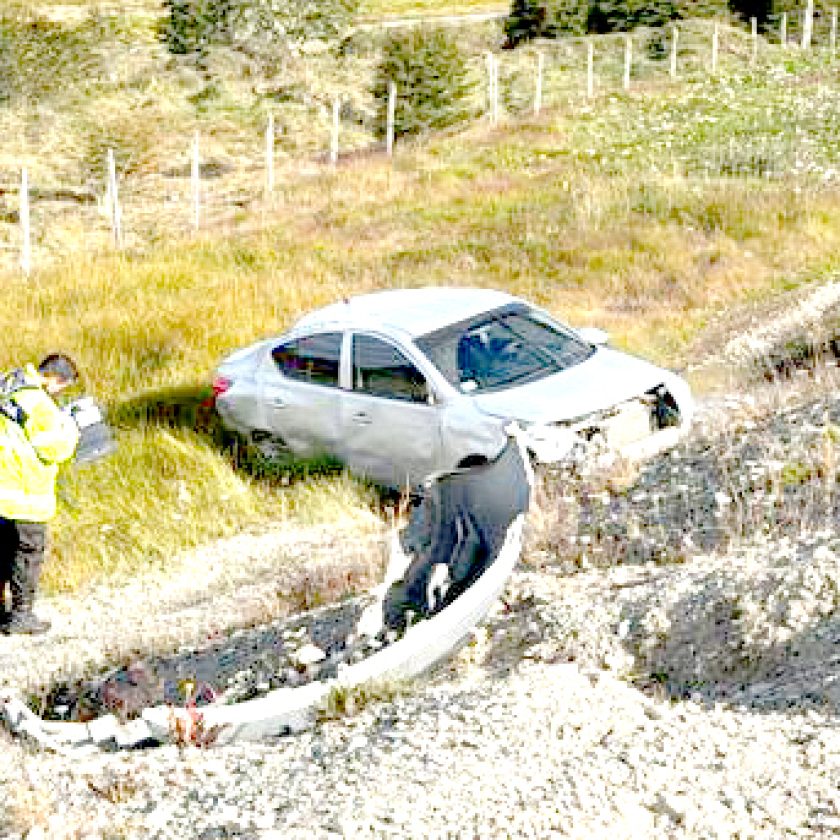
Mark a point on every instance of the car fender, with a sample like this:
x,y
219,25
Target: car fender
x,y
467,430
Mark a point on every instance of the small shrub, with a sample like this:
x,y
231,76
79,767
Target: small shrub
x,y
344,702
191,26
525,22
762,10
431,76
40,58
7,64
768,13
530,19
623,15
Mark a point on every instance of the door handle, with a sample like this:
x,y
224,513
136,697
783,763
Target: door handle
x,y
361,418
278,402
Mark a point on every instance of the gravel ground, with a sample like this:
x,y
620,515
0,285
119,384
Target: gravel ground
x,y
693,691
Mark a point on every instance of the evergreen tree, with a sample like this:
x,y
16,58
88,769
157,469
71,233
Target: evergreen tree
x,y
430,73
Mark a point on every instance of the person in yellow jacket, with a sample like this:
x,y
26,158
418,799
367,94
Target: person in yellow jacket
x,y
35,437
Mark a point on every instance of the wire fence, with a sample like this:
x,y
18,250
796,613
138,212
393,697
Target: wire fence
x,y
215,182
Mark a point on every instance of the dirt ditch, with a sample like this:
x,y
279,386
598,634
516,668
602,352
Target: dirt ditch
x,y
229,669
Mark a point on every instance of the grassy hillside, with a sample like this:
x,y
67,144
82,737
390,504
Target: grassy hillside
x,y
650,213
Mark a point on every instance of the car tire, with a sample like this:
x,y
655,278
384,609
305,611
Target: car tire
x,y
471,461
268,446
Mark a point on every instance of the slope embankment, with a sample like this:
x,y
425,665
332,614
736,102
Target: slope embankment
x,y
665,660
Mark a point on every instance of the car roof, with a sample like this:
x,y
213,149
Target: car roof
x,y
413,311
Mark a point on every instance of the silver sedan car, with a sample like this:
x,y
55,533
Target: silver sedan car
x,y
400,384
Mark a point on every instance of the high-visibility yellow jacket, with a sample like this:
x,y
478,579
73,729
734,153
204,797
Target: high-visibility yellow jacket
x,y
31,451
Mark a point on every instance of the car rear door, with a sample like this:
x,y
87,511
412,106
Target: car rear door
x,y
301,395
391,424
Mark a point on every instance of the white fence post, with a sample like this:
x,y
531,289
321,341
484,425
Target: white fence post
x,y
392,110
783,30
715,46
495,90
808,25
675,40
832,38
25,230
269,156
489,62
538,83
590,68
196,182
628,60
754,36
114,200
336,117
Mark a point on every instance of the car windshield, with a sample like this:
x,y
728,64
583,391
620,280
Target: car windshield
x,y
510,345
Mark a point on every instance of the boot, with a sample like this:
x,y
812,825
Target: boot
x,y
22,620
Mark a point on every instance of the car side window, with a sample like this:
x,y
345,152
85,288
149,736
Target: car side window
x,y
313,358
381,370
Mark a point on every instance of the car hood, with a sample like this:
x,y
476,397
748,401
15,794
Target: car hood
x,y
605,379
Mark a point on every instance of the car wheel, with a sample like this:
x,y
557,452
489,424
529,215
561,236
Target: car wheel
x,y
471,461
268,446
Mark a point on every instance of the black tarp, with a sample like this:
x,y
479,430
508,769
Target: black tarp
x,y
456,531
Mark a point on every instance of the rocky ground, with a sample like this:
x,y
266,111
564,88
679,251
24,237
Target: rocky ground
x,y
666,659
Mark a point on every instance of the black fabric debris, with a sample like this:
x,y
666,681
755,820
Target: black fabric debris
x,y
458,527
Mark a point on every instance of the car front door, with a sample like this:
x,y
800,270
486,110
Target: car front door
x,y
301,393
390,420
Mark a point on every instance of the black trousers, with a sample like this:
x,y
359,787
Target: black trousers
x,y
22,546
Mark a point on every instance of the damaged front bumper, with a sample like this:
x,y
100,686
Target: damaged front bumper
x,y
634,430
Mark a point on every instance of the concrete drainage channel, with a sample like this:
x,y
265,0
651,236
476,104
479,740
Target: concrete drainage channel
x,y
293,679
286,709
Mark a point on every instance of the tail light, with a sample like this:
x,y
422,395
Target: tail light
x,y
218,386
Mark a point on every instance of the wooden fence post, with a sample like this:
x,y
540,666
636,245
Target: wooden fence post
x,y
754,36
196,182
590,68
783,30
675,39
269,156
25,230
336,117
114,200
628,60
715,45
808,25
538,84
392,110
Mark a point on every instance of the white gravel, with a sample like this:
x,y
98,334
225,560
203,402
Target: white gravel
x,y
691,700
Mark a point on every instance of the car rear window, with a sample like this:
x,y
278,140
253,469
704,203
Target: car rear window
x,y
504,347
313,358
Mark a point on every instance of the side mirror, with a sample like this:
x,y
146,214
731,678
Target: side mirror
x,y
594,335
